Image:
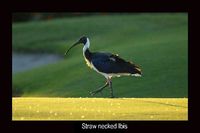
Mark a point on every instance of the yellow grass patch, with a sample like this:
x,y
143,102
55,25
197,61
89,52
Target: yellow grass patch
x,y
99,109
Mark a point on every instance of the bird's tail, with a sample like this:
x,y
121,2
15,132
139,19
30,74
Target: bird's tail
x,y
129,67
136,70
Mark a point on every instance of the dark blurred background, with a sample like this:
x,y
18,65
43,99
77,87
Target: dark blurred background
x,y
34,16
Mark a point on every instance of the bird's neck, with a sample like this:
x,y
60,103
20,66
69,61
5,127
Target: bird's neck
x,y
86,45
86,51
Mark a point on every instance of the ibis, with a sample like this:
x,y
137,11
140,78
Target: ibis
x,y
107,64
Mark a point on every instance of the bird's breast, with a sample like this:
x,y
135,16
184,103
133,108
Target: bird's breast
x,y
88,63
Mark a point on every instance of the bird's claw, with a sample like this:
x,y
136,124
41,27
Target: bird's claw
x,y
92,93
112,97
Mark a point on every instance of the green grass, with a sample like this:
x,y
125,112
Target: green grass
x,y
156,41
100,109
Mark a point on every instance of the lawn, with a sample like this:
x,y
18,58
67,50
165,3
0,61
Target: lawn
x,y
157,42
100,109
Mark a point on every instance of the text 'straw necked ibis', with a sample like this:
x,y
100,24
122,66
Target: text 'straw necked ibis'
x,y
107,64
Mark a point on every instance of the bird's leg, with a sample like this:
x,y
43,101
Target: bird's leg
x,y
99,89
111,89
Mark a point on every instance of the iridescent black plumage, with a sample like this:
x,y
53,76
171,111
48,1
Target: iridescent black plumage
x,y
110,63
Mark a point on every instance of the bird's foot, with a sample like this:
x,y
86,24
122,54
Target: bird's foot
x,y
112,96
92,93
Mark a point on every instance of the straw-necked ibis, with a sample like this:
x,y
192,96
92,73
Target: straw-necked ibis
x,y
107,64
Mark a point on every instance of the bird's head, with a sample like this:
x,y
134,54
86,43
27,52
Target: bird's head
x,y
83,40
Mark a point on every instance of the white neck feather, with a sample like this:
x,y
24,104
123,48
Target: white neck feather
x,y
86,46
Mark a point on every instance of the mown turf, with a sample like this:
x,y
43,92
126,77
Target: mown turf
x,y
156,41
100,109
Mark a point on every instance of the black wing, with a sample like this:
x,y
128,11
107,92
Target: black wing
x,y
110,63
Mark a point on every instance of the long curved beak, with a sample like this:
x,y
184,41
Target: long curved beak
x,y
72,47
